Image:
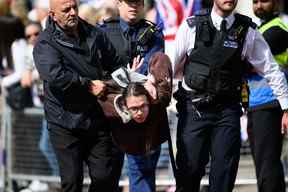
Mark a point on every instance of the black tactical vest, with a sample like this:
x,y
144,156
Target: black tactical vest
x,y
126,47
215,67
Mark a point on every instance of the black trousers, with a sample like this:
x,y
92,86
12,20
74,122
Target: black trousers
x,y
211,129
73,147
117,156
117,165
264,131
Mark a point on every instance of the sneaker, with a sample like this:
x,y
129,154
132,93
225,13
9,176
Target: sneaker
x,y
38,186
26,190
170,189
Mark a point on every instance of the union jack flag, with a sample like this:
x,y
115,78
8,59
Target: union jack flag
x,y
171,13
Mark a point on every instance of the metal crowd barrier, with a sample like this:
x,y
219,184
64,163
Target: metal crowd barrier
x,y
22,159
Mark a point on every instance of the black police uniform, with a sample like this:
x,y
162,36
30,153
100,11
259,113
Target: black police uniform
x,y
209,114
143,38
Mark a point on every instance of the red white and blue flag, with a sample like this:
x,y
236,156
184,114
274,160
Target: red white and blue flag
x,y
172,12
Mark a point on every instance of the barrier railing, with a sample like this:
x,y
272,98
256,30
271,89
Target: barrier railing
x,y
20,135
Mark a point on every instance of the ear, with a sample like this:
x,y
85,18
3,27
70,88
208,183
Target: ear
x,y
118,2
52,14
121,109
276,5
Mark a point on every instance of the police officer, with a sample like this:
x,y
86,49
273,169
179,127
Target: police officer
x,y
217,43
264,114
134,37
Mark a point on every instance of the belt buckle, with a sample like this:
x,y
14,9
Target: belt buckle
x,y
197,100
203,100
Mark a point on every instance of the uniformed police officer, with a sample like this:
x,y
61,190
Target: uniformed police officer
x,y
134,37
264,114
216,45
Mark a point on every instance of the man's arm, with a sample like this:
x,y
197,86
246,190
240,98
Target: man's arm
x,y
277,39
257,52
18,49
49,64
110,60
184,43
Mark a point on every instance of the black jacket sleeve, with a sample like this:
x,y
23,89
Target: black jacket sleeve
x,y
49,63
110,60
277,39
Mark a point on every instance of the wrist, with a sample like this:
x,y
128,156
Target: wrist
x,y
84,81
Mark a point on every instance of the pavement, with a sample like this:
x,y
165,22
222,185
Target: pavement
x,y
245,181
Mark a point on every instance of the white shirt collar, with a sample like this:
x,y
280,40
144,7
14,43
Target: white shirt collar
x,y
217,19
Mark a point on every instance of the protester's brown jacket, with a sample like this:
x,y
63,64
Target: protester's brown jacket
x,y
135,138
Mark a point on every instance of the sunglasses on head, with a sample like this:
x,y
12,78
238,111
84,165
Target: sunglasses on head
x,y
28,36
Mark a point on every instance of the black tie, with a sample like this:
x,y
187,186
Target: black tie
x,y
132,33
223,26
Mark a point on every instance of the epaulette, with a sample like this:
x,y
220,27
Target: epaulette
x,y
110,23
200,15
99,25
111,20
246,20
149,23
191,21
149,30
202,12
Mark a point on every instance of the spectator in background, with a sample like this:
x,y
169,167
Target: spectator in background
x,y
125,32
39,12
88,13
30,78
106,11
264,113
98,13
14,29
19,9
13,73
70,55
4,7
150,11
